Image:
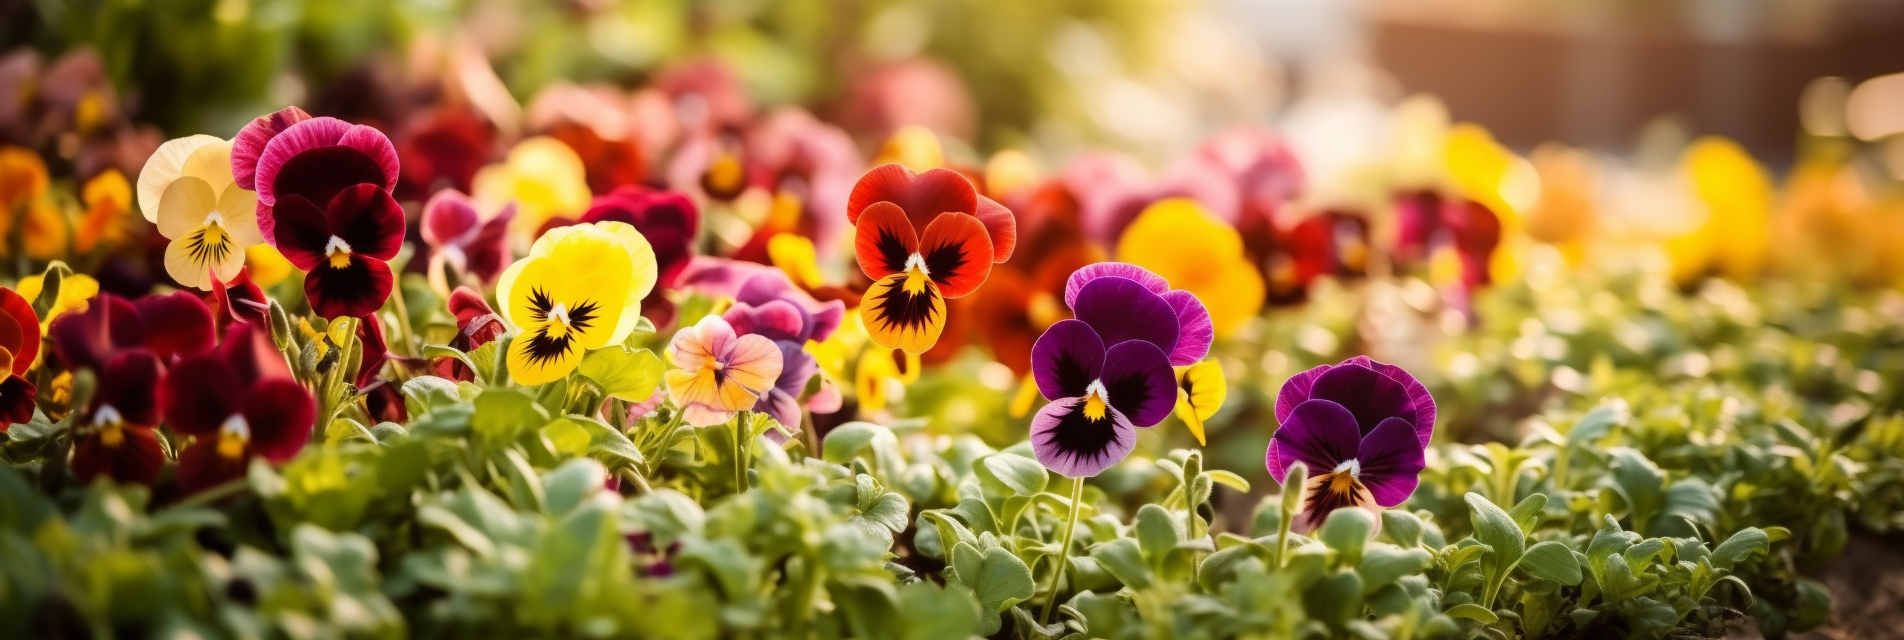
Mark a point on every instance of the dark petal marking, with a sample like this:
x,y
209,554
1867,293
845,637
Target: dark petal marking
x,y
1080,437
944,260
905,311
543,348
1330,491
207,252
892,251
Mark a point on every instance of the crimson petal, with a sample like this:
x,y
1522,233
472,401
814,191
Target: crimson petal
x,y
129,383
250,142
303,231
1001,225
201,467
179,324
922,196
280,414
16,401
957,254
136,459
357,289
19,329
84,340
368,219
201,393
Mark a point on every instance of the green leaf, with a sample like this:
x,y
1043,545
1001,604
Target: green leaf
x,y
1739,547
1527,512
997,579
1347,531
1024,475
1336,599
1156,532
1384,564
1597,423
504,414
1473,612
1401,527
575,480
1494,528
622,373
846,441
577,436
1123,558
1552,561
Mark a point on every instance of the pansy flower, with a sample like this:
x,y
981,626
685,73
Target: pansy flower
x,y
667,219
209,218
914,272
719,373
1108,371
176,325
442,149
1328,243
1455,237
1182,242
463,239
343,248
476,325
802,160
1361,427
236,402
19,346
580,288
107,197
117,435
543,176
85,340
772,312
239,300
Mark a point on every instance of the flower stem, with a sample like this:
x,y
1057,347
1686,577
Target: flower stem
x,y
740,452
1064,548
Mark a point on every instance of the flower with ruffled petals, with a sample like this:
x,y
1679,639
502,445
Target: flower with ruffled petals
x,y
1361,427
770,309
914,273
311,164
1117,281
237,402
719,373
465,240
1179,240
669,221
343,248
543,176
580,288
209,218
117,436
19,346
176,325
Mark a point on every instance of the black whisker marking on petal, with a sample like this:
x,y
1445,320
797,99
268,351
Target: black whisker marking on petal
x,y
1072,375
891,251
945,260
207,252
541,345
543,348
1128,392
906,311
1082,437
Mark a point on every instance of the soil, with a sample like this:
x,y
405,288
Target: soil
x,y
1867,590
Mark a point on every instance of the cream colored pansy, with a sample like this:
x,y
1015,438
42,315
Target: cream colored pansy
x,y
187,189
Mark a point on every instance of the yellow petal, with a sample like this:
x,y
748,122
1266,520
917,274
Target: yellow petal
x,y
45,231
190,258
897,319
1201,390
211,163
644,272
266,265
109,186
239,208
184,206
794,255
165,165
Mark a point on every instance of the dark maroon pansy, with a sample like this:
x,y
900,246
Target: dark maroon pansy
x,y
317,161
376,350
178,324
1361,427
236,402
1427,221
116,436
239,300
84,340
476,325
442,149
460,237
669,221
343,248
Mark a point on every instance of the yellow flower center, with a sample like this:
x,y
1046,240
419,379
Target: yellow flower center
x,y
1096,404
1346,477
111,426
338,252
233,435
917,275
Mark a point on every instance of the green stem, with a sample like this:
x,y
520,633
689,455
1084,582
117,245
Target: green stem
x,y
403,323
1064,548
213,494
740,452
1282,539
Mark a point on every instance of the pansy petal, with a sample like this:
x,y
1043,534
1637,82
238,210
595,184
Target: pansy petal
x,y
134,458
16,400
1418,396
19,330
1201,391
1194,331
1001,225
1295,391
1067,441
84,340
249,144
211,163
1319,433
784,408
1122,309
957,254
537,357
1066,359
1371,396
163,167
796,368
357,289
899,319
1141,385
303,231
129,384
448,217
280,413
884,240
1322,496
201,466
179,324
922,196
238,209
1084,275
250,352
775,320
754,363
367,218
183,206
200,393
1392,460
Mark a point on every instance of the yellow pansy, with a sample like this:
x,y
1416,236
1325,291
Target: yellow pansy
x,y
580,288
75,292
107,197
195,202
266,265
878,367
1194,251
543,176
1737,194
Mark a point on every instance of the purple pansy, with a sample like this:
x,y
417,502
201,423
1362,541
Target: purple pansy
x,y
766,304
1361,427
1108,371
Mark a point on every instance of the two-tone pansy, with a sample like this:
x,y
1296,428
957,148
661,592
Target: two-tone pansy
x,y
580,288
1108,371
188,190
236,402
324,201
1361,427
769,307
170,326
720,373
117,435
914,272
19,346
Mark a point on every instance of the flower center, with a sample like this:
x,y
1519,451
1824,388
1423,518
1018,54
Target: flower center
x,y
111,426
1346,478
233,436
338,251
917,274
1096,401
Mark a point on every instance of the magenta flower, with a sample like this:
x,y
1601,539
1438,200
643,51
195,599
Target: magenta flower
x,y
1361,427
459,235
1108,371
